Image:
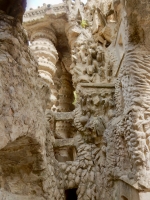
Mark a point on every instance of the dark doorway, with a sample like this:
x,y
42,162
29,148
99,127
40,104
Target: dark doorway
x,y
123,198
71,194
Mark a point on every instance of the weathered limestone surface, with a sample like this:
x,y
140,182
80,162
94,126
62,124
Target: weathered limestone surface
x,y
23,125
92,132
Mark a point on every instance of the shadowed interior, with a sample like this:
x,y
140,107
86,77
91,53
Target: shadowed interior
x,y
71,194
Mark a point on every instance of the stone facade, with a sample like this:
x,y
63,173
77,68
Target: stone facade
x,y
75,101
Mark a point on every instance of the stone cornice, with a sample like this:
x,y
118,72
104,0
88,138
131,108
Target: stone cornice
x,y
38,14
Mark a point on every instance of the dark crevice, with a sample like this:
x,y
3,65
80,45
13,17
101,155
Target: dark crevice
x,y
123,198
71,194
14,8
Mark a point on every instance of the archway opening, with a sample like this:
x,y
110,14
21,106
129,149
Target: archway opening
x,y
123,198
71,194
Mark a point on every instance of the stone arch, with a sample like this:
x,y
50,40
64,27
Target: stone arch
x,y
123,198
20,166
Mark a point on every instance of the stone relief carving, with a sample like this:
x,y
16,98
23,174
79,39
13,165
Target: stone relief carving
x,y
89,64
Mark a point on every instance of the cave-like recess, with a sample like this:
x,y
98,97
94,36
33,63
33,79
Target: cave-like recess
x,y
71,194
14,8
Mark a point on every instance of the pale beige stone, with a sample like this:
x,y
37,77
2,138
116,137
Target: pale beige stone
x,y
74,103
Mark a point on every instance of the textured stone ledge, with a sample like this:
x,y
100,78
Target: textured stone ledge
x,y
94,85
59,116
64,142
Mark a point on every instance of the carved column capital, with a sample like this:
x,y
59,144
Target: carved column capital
x,y
43,32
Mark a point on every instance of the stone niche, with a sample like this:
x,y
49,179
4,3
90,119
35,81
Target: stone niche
x,y
20,162
64,154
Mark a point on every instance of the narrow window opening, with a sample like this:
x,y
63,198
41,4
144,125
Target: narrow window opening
x,y
71,194
63,154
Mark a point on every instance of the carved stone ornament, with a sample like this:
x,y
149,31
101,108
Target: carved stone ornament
x,y
75,100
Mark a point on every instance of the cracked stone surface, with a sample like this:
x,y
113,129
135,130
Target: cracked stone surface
x,y
74,100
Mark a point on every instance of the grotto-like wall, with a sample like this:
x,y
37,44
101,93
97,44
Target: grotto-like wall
x,y
23,124
95,143
110,122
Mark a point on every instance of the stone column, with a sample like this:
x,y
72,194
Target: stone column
x,y
66,96
43,43
55,94
64,128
